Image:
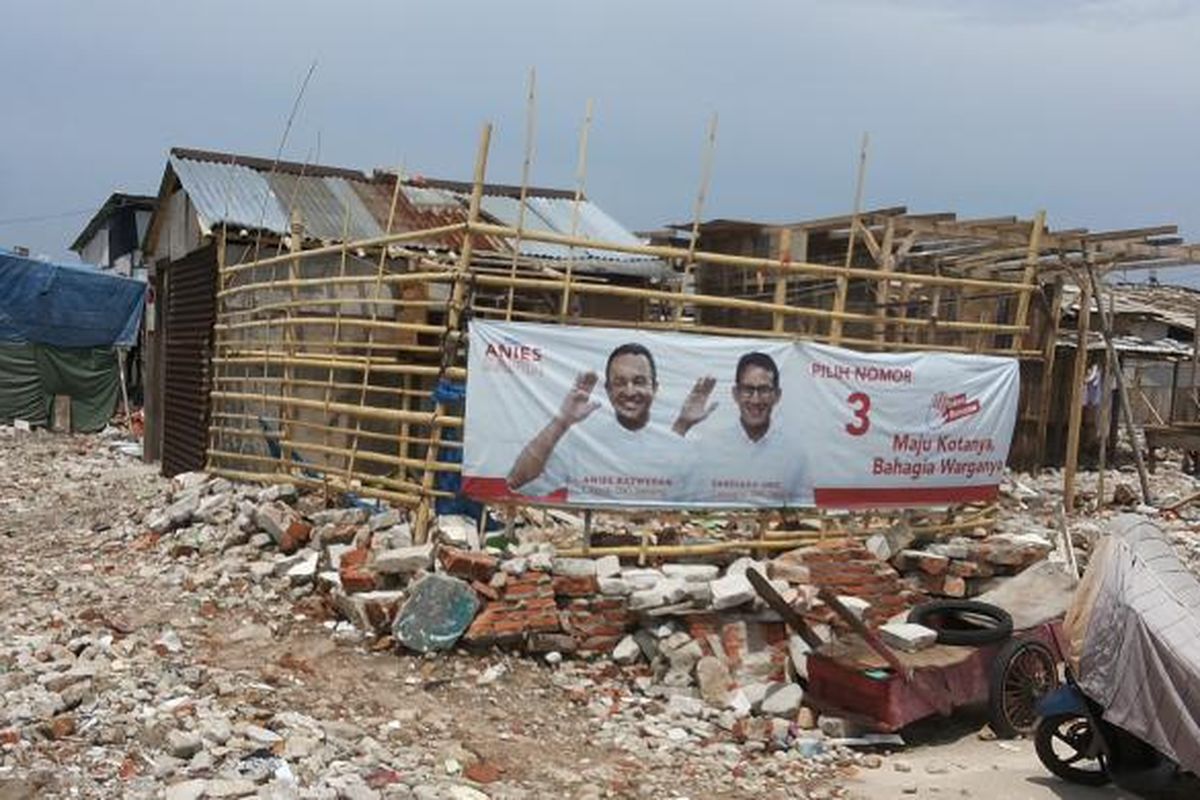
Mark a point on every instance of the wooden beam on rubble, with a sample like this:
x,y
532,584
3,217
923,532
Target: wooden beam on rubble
x,y
1075,416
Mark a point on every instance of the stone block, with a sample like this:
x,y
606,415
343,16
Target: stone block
x,y
732,591
404,560
574,567
608,566
713,678
691,573
907,636
627,651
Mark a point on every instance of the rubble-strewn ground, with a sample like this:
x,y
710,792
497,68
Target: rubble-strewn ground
x,y
125,671
204,663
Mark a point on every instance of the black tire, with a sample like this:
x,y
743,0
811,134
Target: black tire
x,y
955,621
1075,732
1023,672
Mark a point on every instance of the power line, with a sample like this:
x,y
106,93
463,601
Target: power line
x,y
44,217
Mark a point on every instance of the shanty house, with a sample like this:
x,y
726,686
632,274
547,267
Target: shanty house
x,y
218,210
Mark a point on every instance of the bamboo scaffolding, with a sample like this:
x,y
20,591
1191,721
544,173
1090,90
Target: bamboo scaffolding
x,y
530,113
383,437
581,178
843,280
366,412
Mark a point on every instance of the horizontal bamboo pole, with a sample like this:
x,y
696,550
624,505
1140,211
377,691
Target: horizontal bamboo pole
x,y
675,298
317,467
338,249
676,550
241,380
766,333
272,477
749,262
390,279
317,347
342,362
354,322
368,455
385,437
327,474
333,301
367,412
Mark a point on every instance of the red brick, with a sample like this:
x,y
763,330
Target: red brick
x,y
354,574
485,591
466,564
295,537
575,585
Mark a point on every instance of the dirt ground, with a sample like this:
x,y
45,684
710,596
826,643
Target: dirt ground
x,y
127,670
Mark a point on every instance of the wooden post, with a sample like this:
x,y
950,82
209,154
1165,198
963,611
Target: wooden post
x,y
580,178
689,263
1049,357
1029,276
587,531
530,111
1126,410
450,344
1195,361
843,282
1075,418
781,280
883,287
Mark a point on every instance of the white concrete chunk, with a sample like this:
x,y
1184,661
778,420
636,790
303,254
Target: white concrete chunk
x,y
907,636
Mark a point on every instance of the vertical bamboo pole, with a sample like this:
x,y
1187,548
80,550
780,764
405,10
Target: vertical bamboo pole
x,y
222,242
1049,357
530,112
883,286
1126,409
1195,363
580,179
295,245
337,330
1075,419
843,283
1029,276
706,166
378,288
781,279
453,317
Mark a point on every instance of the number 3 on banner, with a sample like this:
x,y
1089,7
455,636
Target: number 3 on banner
x,y
861,402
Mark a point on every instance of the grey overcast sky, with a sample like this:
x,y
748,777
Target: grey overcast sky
x,y
1087,108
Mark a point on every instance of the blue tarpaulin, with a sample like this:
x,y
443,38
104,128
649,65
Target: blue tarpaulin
x,y
67,306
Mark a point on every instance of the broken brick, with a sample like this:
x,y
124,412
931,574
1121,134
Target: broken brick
x,y
467,565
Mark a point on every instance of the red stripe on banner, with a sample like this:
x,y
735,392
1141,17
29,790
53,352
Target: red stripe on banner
x,y
903,495
496,489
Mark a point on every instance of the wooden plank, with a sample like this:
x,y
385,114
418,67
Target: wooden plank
x,y
1075,418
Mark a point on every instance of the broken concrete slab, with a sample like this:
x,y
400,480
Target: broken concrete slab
x,y
783,700
907,636
731,591
404,560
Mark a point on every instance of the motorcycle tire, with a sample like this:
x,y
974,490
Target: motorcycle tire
x,y
1043,744
938,614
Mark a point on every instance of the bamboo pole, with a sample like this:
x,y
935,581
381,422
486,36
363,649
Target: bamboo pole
x,y
706,164
781,281
883,287
530,112
1049,349
251,432
453,317
222,243
1075,418
843,282
1126,408
383,414
1029,275
580,179
344,362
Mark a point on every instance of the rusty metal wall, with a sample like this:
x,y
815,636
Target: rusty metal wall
x,y
190,314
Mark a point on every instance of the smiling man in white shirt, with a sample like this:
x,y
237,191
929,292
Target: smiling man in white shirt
x,y
750,462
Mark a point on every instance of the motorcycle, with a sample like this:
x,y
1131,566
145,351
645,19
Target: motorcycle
x,y
1074,742
1125,712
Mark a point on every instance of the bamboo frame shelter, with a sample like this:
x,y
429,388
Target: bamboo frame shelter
x,y
334,366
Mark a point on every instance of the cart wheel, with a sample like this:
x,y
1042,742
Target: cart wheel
x,y
1064,745
1023,672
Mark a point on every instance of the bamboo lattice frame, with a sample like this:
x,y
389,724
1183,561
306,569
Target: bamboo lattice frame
x,y
325,365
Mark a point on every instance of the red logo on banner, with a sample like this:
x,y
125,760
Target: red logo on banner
x,y
951,407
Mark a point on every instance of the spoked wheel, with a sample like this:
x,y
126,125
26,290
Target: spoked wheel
x,y
1022,674
1065,744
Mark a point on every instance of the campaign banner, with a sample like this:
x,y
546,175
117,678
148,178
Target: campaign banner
x,y
597,417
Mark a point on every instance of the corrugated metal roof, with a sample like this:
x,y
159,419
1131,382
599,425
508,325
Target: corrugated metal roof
x,y
256,194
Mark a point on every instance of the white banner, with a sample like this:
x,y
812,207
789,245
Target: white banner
x,y
615,417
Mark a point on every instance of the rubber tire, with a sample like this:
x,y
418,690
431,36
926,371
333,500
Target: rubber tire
x,y
923,614
997,718
1043,743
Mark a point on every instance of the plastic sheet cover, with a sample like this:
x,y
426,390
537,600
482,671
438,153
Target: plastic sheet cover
x,y
1134,632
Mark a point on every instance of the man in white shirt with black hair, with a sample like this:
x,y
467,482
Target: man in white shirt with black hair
x,y
627,457
750,462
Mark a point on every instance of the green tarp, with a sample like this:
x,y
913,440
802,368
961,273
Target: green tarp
x,y
32,374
